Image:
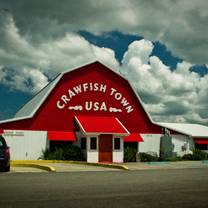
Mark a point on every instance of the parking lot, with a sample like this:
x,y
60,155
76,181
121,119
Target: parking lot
x,y
181,188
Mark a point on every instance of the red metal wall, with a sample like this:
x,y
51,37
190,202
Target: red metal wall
x,y
49,117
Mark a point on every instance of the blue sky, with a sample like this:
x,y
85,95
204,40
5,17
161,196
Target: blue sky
x,y
119,43
162,54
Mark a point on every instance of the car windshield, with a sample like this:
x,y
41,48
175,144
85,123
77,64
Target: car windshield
x,y
2,142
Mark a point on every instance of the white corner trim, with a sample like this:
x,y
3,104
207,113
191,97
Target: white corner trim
x,y
123,126
80,125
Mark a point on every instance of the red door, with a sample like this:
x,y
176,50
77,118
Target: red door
x,y
105,148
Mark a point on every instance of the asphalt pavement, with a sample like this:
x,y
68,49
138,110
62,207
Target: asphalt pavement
x,y
140,188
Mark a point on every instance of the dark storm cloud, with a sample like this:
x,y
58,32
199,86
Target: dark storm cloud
x,y
175,108
148,97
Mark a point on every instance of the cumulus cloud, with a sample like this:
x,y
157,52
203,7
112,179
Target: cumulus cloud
x,y
173,96
181,25
26,62
27,80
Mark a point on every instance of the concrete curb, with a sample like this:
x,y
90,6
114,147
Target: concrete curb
x,y
32,165
37,162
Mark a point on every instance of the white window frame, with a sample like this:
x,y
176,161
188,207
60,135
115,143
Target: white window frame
x,y
90,143
114,137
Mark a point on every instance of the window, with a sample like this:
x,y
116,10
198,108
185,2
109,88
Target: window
x,y
93,143
2,141
83,143
117,143
1,144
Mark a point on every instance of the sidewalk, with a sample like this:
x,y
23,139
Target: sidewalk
x,y
70,167
65,167
59,166
166,165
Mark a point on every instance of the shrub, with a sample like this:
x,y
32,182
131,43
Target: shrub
x,y
174,159
199,155
130,154
57,154
187,157
72,152
144,157
68,152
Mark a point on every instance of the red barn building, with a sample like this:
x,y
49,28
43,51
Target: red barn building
x,y
97,109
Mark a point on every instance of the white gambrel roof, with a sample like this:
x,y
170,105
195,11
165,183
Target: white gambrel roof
x,y
194,130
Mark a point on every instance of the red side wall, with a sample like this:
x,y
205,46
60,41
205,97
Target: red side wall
x,y
49,117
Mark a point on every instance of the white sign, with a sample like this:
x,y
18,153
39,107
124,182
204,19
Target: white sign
x,y
13,133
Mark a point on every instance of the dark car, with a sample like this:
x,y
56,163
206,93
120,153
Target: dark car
x,y
4,155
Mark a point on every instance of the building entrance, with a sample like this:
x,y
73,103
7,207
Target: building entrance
x,y
105,148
